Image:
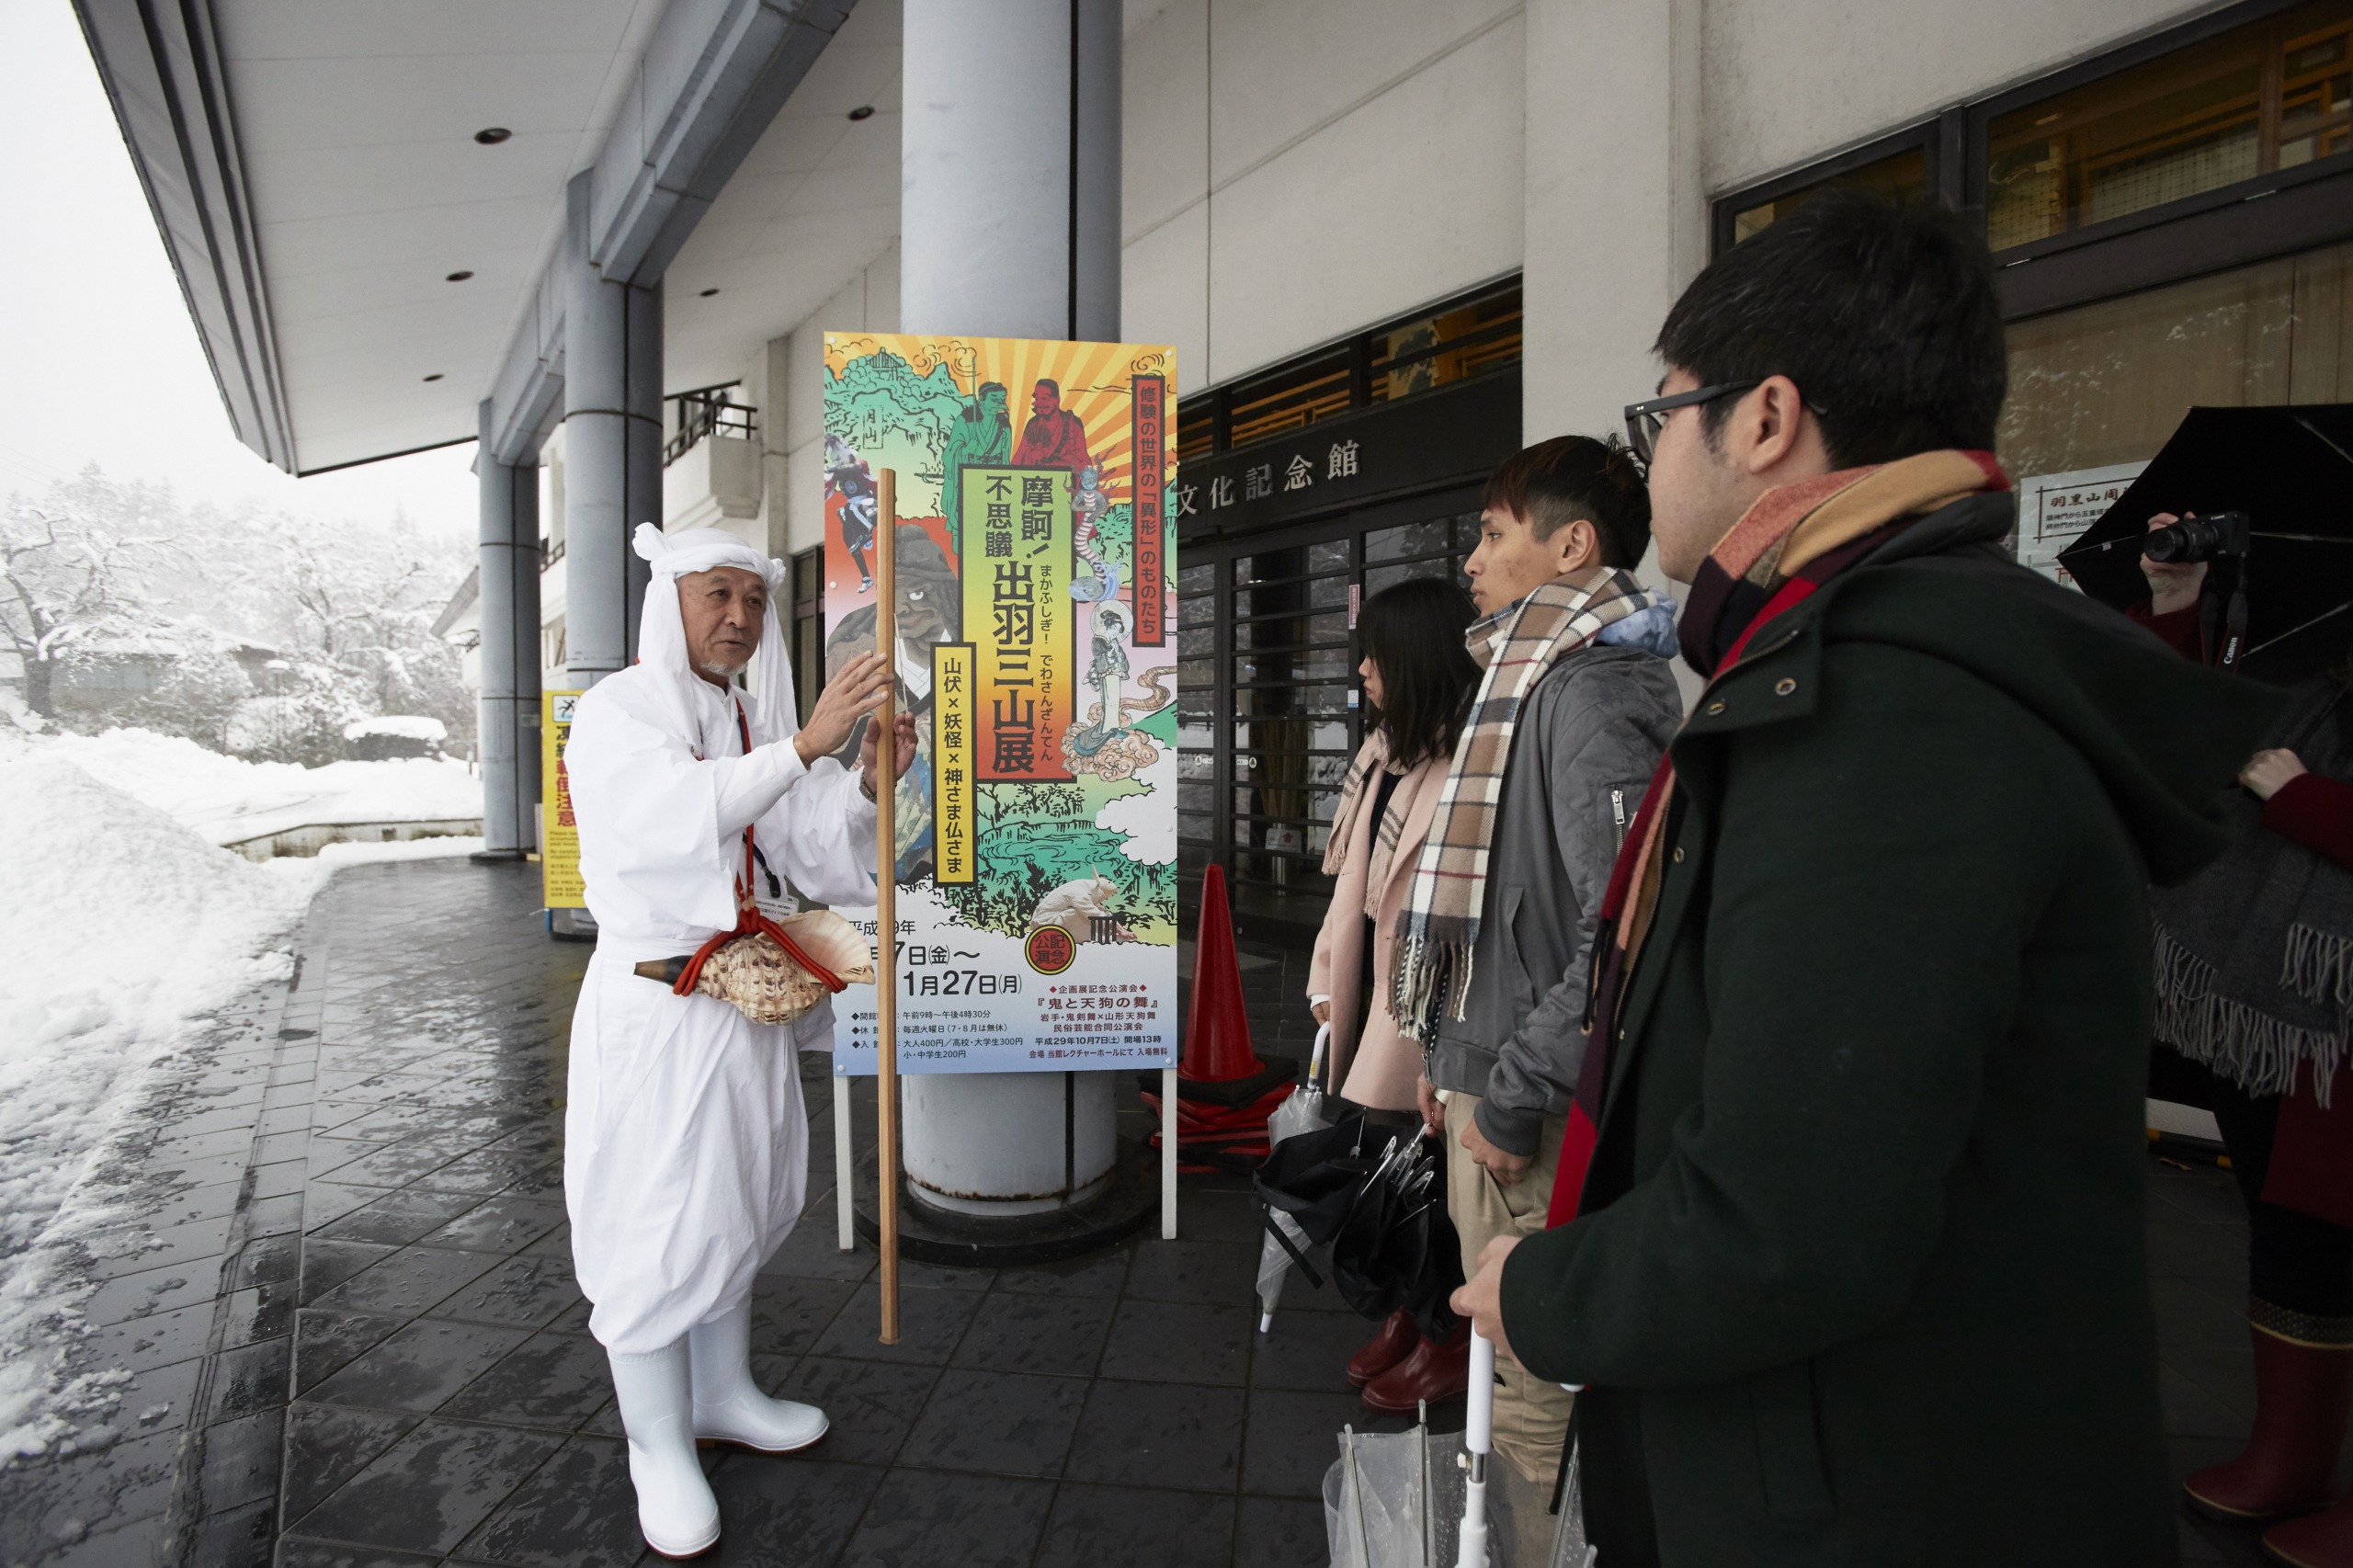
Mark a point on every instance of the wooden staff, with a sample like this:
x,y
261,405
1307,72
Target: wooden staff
x,y
886,897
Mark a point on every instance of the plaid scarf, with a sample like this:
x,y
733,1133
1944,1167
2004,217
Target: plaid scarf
x,y
1439,927
1792,539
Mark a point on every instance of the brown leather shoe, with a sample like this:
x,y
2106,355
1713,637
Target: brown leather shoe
x,y
1392,1344
1432,1372
2317,1540
2303,1394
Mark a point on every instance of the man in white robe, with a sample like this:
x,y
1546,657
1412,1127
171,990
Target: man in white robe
x,y
685,1150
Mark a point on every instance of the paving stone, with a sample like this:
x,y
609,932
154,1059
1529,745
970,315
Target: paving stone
x,y
396,1219
324,1342
503,1224
577,1507
556,1378
262,1312
1035,1333
156,1340
521,1292
1092,1525
1216,1273
1181,1342
995,1423
417,1366
405,1283
919,1516
782,1513
54,1502
241,1460
251,1379
326,1446
873,1405
789,1314
430,1489
1161,1435
930,1322
326,1264
241,1537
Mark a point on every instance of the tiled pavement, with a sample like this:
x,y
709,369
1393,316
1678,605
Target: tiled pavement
x,y
397,1371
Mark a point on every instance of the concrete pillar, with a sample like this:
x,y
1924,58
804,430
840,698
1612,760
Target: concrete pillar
x,y
503,835
1009,227
612,448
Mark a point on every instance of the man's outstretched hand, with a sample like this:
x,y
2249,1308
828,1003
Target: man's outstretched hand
x,y
1482,1301
855,690
902,750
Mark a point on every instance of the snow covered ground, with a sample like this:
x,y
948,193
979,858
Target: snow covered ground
x,y
227,800
121,922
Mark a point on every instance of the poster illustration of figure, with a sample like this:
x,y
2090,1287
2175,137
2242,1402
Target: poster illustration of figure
x,y
1035,831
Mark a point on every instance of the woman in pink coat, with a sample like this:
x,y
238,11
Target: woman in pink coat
x,y
1418,680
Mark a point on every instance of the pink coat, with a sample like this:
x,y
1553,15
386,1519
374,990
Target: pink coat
x,y
1382,1064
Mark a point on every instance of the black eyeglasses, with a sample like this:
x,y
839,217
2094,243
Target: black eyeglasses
x,y
1645,420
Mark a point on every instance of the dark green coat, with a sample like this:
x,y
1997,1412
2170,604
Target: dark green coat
x,y
1859,1278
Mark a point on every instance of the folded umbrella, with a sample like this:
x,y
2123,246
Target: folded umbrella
x,y
1303,1112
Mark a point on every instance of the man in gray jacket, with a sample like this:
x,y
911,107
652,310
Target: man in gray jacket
x,y
1575,753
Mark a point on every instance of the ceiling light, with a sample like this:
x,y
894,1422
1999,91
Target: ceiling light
x,y
460,276
707,293
492,136
434,376
863,111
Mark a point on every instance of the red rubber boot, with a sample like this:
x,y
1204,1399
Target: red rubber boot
x,y
1392,1344
2303,1394
2317,1540
1432,1372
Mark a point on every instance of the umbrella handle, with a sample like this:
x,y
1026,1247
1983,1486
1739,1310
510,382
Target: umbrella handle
x,y
1316,1057
1479,1440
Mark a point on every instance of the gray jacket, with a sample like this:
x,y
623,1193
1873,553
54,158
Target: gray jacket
x,y
1585,748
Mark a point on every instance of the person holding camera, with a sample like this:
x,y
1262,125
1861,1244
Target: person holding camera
x,y
2255,994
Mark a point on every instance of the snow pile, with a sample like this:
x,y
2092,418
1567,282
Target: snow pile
x,y
119,924
400,727
228,799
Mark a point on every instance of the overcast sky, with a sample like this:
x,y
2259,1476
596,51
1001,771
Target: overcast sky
x,y
99,362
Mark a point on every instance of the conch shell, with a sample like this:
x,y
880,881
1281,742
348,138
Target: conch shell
x,y
761,981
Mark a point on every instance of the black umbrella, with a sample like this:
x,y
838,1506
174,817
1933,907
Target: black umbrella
x,y
1380,1208
2291,470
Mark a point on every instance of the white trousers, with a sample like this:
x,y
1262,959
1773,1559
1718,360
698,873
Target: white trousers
x,y
686,1154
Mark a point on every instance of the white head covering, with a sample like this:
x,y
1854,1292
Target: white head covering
x,y
662,630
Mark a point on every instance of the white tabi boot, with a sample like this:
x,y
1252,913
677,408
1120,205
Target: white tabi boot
x,y
729,1406
674,1507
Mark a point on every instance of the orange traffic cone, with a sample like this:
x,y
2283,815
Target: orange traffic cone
x,y
1217,1028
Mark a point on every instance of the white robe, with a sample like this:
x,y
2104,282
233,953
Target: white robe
x,y
685,1143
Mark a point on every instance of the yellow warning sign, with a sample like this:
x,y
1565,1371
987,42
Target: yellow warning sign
x,y
559,832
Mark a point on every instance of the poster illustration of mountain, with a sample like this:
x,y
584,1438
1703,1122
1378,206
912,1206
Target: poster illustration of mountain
x,y
1036,587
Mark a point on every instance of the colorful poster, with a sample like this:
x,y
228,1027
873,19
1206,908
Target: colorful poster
x,y
560,883
1037,831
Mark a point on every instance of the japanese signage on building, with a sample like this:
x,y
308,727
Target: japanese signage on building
x,y
2055,508
1037,830
559,831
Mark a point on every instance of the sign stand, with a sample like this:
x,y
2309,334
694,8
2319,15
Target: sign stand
x,y
845,1166
1168,1154
886,900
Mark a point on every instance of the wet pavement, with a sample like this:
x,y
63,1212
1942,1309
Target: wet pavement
x,y
344,1301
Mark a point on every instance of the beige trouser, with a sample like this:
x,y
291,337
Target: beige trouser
x,y
1532,1415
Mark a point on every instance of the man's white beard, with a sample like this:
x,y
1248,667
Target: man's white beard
x,y
724,672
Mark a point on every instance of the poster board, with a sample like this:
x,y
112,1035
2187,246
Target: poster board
x,y
2055,508
560,883
1036,585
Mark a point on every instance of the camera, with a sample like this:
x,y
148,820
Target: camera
x,y
2194,539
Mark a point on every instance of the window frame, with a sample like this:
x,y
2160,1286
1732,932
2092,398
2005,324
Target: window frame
x,y
2268,215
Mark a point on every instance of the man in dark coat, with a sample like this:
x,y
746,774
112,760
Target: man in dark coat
x,y
1856,1270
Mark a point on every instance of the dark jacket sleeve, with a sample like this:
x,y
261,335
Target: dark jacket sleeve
x,y
1849,1018
2315,811
1597,757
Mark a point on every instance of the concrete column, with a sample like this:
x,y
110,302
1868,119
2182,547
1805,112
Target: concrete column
x,y
523,506
1009,227
612,420
503,836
